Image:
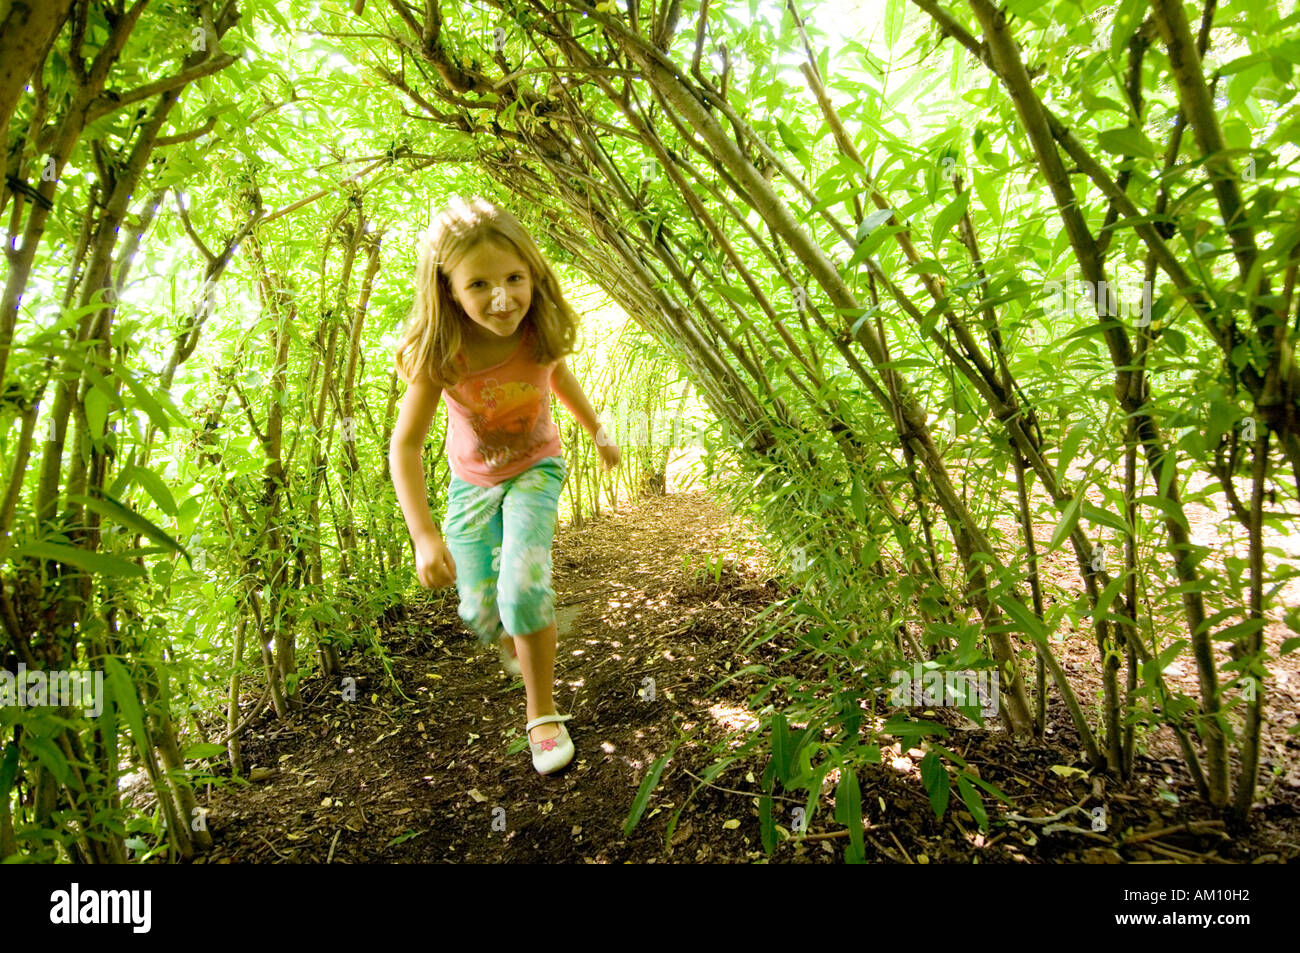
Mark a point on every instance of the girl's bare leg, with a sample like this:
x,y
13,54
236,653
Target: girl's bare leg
x,y
536,653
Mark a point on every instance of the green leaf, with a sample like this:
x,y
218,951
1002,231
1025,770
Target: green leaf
x,y
848,811
990,196
905,729
872,221
96,411
740,296
859,501
766,826
782,747
1127,17
203,749
875,236
893,22
145,399
8,771
1243,62
154,486
1127,141
790,138
50,757
111,508
1094,103
1176,340
991,788
947,219
1240,630
1029,623
119,687
1167,507
1105,517
403,838
974,803
934,776
645,790
1068,519
1069,447
278,17
83,559
1107,595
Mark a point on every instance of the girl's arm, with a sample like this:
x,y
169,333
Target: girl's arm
x,y
413,420
566,387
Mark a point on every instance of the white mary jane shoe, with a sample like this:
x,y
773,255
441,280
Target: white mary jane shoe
x,y
553,753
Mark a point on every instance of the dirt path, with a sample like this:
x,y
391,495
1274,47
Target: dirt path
x,y
429,775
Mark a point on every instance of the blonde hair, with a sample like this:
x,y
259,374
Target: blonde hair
x,y
435,329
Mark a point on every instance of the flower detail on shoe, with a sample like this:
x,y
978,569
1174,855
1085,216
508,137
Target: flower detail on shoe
x,y
547,745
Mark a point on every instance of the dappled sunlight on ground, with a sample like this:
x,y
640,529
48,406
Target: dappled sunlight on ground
x,y
733,718
650,647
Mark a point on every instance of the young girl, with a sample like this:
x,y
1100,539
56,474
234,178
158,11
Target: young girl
x,y
489,330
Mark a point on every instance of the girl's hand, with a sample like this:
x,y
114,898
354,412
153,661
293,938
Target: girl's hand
x,y
609,454
433,563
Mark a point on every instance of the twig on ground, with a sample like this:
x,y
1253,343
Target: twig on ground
x,y
1184,855
1081,831
270,845
775,797
886,851
1044,820
1189,827
901,848
829,835
333,844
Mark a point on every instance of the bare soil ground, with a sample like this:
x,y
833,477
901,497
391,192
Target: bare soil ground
x,y
420,768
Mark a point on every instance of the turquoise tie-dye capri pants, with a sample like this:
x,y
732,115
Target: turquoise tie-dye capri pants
x,y
500,538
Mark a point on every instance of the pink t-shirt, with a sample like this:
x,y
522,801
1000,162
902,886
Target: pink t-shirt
x,y
499,419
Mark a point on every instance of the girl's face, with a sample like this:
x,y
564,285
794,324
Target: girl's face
x,y
494,287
